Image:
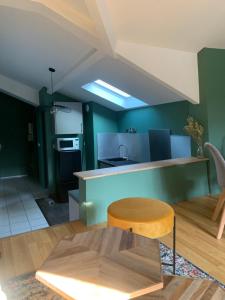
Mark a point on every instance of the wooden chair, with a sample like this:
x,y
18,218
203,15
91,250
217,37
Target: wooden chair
x,y
220,171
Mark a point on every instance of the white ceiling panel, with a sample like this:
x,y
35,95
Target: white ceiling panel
x,y
31,43
177,24
124,77
78,5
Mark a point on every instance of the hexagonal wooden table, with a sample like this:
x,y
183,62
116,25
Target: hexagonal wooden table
x,y
181,288
104,264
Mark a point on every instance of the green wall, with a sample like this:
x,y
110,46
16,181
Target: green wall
x,y
98,119
211,110
89,135
104,120
171,115
213,93
47,138
18,155
169,184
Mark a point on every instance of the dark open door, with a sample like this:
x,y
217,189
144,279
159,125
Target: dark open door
x,y
41,148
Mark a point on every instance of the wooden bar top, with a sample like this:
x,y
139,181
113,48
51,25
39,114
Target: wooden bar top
x,y
92,174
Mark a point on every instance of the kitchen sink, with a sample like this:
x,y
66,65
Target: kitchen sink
x,y
115,162
117,159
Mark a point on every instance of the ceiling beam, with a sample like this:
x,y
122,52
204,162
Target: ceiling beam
x,y
22,4
99,12
81,66
174,69
19,90
71,19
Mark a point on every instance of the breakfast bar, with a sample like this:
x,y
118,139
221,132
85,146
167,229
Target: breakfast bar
x,y
170,180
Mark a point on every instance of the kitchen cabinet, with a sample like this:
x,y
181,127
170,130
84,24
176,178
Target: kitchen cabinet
x,y
69,122
67,162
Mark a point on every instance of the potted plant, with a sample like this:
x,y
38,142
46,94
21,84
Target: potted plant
x,y
196,131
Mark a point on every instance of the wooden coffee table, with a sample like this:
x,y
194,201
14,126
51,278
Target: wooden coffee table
x,y
181,288
104,264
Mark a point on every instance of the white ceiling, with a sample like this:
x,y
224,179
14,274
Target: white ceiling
x,y
178,24
122,76
31,43
80,40
79,5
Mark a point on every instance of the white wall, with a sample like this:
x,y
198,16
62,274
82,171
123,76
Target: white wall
x,y
173,68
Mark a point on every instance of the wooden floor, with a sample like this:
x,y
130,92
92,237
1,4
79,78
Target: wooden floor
x,y
195,240
196,236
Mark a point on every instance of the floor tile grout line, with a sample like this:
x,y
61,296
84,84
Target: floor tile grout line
x,y
26,214
42,216
21,186
7,210
10,223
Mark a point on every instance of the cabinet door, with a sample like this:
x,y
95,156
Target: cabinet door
x,y
69,122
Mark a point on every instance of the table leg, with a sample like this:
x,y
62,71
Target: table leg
x,y
174,249
174,246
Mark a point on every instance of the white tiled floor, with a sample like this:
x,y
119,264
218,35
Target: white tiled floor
x,y
19,211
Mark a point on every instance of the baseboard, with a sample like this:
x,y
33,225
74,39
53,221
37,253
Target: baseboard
x,y
15,176
213,197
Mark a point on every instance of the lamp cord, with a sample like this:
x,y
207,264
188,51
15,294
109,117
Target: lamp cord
x,y
51,83
51,70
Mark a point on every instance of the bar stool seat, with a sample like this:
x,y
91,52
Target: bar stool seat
x,y
148,217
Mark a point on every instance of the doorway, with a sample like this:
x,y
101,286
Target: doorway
x,y
18,168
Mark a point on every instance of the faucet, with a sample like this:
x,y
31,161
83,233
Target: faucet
x,y
125,151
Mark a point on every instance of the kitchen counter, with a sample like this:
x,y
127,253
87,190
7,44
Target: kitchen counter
x,y
137,167
168,180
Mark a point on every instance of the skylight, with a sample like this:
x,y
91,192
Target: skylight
x,y
113,94
112,88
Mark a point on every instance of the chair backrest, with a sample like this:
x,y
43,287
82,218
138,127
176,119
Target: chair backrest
x,y
219,163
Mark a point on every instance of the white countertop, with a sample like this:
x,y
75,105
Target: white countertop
x,y
92,174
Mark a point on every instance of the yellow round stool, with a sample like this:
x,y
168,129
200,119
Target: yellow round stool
x,y
151,218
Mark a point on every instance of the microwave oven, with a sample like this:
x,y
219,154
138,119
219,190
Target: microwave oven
x,y
66,144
